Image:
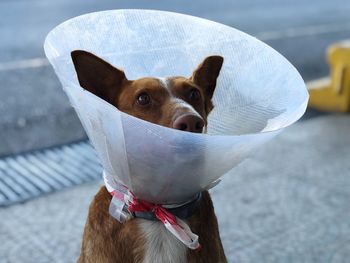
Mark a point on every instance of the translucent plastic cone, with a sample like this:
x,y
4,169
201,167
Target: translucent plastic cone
x,y
258,93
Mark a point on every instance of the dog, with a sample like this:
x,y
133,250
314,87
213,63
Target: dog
x,y
176,102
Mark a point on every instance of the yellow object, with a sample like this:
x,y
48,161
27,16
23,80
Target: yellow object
x,y
333,94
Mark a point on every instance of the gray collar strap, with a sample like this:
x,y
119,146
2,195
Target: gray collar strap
x,y
183,211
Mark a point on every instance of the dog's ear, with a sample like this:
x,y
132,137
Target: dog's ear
x,y
97,75
206,74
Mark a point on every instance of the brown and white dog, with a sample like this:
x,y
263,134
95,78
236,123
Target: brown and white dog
x,y
176,102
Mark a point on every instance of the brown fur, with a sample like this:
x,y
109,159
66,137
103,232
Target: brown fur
x,y
105,239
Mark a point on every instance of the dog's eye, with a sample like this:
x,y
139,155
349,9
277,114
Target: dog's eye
x,y
194,95
143,99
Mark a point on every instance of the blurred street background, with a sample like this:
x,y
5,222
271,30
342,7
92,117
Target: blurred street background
x,y
35,113
288,204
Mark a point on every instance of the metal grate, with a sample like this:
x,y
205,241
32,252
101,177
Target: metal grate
x,y
30,175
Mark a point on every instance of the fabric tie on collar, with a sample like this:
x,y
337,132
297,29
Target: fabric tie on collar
x,y
124,204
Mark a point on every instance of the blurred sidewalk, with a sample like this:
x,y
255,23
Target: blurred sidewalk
x,y
288,204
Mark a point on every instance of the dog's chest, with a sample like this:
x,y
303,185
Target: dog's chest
x,y
160,245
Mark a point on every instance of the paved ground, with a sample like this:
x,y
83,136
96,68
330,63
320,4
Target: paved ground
x,y
288,204
268,210
34,112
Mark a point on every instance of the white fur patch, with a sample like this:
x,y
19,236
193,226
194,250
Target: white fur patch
x,y
164,83
177,101
161,246
184,105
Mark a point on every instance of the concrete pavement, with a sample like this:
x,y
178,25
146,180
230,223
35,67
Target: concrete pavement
x,y
288,203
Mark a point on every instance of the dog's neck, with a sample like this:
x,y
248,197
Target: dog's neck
x,y
125,205
182,211
160,245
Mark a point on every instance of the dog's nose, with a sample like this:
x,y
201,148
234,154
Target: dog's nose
x,y
189,122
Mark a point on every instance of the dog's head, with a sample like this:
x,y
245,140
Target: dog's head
x,y
176,102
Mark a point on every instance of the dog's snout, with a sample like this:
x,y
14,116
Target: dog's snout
x,y
189,122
